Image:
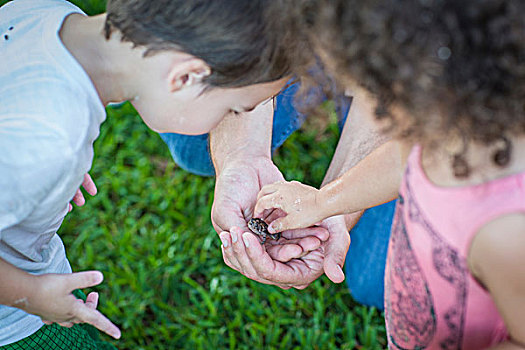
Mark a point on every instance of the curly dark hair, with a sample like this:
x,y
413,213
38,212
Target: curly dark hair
x,y
457,67
234,37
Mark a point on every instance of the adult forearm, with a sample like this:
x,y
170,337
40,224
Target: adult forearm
x,y
242,137
360,136
15,285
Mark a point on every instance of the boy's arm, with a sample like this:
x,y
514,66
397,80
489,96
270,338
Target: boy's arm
x,y
373,181
496,259
15,285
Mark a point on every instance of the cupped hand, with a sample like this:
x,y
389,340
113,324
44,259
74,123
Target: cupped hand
x,y
243,252
236,192
53,301
298,201
90,188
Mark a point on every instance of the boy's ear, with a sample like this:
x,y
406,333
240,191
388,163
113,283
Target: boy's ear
x,y
187,73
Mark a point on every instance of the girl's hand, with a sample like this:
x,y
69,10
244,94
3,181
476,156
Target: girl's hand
x,y
52,300
299,202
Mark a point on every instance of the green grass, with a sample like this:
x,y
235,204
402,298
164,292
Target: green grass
x,y
148,230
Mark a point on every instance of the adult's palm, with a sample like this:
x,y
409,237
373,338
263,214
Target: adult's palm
x,y
294,261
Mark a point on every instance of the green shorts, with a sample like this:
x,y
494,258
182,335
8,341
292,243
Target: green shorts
x,y
78,337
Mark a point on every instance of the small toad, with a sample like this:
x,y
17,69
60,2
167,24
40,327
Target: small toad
x,y
260,228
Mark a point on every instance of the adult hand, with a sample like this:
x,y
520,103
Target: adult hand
x,y
236,192
336,247
53,301
90,188
248,257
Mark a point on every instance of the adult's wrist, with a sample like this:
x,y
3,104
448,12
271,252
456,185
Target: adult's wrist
x,y
239,160
239,138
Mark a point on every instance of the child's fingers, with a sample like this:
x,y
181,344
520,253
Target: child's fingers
x,y
96,319
86,279
271,201
92,300
78,199
288,222
89,185
269,189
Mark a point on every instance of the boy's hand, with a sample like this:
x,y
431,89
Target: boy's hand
x,y
90,188
53,301
300,203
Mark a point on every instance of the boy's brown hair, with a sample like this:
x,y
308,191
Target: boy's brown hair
x,y
232,36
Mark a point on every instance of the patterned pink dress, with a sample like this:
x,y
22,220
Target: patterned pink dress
x,y
431,299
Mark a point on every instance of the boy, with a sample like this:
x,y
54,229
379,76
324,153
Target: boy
x,y
171,58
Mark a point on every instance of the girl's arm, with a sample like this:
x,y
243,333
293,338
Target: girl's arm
x,y
373,181
496,259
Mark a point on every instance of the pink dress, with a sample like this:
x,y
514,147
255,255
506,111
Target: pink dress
x,y
431,299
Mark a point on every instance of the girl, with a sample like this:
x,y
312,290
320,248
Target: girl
x,y
446,79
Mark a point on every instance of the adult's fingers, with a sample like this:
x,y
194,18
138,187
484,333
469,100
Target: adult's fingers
x,y
227,254
86,279
317,231
96,319
267,268
89,185
285,252
239,252
230,259
335,249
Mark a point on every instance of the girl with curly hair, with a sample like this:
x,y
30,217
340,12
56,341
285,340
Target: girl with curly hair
x,y
446,80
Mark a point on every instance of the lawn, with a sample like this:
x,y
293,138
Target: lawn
x,y
148,230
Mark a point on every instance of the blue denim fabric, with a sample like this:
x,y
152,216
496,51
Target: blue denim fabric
x,y
366,258
369,237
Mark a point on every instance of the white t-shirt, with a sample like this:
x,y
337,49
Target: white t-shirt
x,y
50,115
